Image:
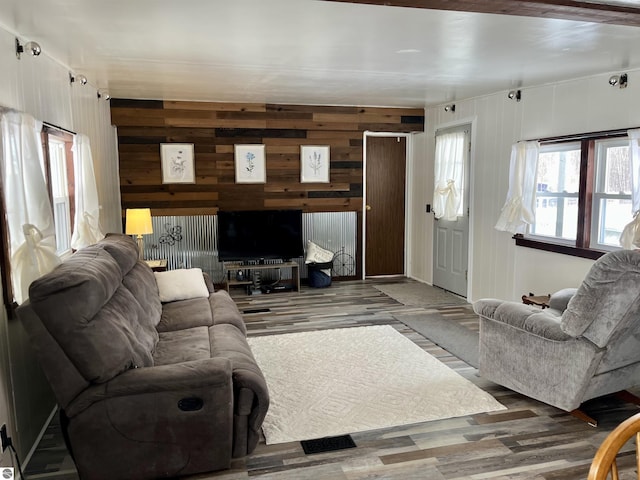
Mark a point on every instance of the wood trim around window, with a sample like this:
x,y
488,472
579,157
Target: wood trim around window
x,y
585,198
522,241
5,257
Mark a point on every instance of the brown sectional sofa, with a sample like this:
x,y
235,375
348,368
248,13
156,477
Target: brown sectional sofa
x,y
146,389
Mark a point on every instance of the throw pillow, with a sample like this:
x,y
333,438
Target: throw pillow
x,y
181,284
317,254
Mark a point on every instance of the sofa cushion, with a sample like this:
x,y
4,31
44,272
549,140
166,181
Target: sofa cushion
x,y
141,282
225,311
96,320
122,248
195,312
229,342
182,346
181,284
91,272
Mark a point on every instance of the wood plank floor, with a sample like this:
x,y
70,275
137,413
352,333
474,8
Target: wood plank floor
x,y
529,440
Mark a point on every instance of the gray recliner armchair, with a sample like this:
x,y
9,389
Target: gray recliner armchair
x,y
585,346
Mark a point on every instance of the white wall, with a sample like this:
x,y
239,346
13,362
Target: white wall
x,y
497,267
40,86
418,259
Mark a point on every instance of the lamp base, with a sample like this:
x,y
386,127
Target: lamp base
x,y
140,243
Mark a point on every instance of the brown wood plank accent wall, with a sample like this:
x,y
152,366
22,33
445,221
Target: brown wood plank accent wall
x,y
597,12
214,129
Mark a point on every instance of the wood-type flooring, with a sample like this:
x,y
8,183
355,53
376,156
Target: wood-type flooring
x,y
529,440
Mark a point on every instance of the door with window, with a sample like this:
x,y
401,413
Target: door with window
x,y
451,209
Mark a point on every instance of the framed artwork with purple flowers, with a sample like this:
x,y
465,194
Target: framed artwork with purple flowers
x,y
314,164
250,164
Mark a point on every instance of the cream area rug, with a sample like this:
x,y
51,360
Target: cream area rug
x,y
333,382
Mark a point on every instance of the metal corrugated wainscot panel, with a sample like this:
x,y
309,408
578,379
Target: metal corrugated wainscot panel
x,y
190,241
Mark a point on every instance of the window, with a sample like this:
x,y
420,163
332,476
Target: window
x,y
59,165
557,187
612,194
583,194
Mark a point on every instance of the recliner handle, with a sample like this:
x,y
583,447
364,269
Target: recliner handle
x,y
190,404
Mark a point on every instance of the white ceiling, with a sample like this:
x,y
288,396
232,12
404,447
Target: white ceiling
x,y
312,52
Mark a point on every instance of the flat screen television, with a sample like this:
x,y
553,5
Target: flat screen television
x,y
259,234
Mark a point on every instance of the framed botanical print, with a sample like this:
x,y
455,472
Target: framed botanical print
x,y
177,163
250,164
314,164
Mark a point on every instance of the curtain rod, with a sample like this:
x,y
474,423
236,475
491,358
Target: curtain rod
x,y
51,125
581,136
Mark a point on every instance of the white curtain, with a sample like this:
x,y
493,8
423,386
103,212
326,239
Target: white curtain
x,y
519,208
86,229
32,244
630,237
449,175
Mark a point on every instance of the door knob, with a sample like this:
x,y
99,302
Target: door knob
x,y
368,207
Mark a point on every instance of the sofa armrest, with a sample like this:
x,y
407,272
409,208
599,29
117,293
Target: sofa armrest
x,y
157,421
208,282
180,377
543,323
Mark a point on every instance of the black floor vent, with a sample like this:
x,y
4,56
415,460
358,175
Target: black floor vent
x,y
327,444
257,310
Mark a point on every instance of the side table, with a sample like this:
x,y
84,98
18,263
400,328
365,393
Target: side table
x,y
157,265
539,300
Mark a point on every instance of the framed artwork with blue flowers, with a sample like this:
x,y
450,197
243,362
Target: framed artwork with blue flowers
x,y
250,164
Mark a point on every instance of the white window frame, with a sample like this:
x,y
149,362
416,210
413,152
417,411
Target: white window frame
x,y
62,141
599,193
556,147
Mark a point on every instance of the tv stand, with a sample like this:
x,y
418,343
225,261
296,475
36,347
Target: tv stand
x,y
231,270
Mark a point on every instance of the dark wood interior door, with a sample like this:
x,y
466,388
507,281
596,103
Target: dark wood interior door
x,y
385,207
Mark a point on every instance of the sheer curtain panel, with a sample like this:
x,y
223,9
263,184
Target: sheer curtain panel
x,y
519,207
32,244
449,175
630,237
86,230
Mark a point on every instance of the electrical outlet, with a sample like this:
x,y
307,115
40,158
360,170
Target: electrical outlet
x,y
6,440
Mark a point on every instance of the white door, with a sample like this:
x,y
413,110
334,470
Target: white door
x,y
451,231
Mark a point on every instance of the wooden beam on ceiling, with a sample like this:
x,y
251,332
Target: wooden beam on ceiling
x,y
561,9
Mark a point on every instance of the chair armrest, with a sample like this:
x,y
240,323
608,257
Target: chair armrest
x,y
184,377
560,299
543,323
536,359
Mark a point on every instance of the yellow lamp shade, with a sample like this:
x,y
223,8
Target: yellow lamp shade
x,y
138,221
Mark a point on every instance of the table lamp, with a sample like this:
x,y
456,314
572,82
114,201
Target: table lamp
x,y
139,223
